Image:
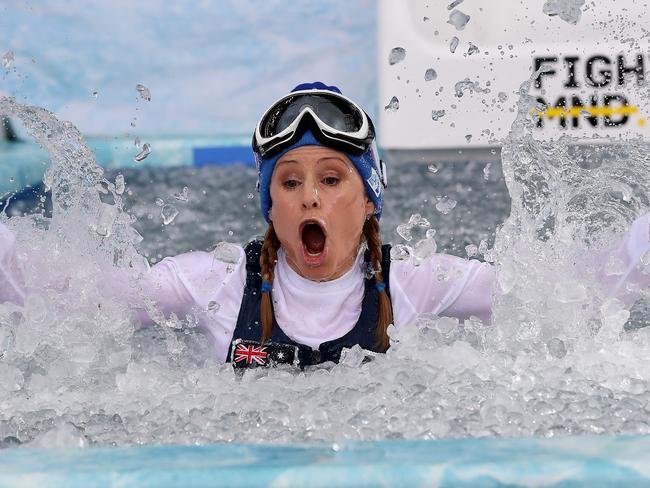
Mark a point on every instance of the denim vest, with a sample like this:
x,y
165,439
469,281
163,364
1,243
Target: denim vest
x,y
246,350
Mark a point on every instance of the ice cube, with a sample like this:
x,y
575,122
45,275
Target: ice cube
x,y
393,105
142,155
430,74
168,214
144,92
397,55
458,19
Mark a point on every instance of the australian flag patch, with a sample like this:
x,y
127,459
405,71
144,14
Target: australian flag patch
x,y
254,354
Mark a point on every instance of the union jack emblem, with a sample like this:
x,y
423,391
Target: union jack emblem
x,y
247,354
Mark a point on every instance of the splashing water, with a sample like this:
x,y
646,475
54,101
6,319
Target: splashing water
x,y
458,19
437,114
555,361
453,44
430,74
568,10
7,60
144,92
143,154
397,55
393,105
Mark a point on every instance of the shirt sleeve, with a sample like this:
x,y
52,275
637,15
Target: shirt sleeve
x,y
451,286
443,285
624,270
180,285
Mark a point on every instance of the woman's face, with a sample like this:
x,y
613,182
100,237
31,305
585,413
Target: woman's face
x,y
319,206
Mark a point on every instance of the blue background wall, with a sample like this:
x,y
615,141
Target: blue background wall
x,y
211,66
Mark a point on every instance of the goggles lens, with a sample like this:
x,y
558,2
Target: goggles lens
x,y
333,111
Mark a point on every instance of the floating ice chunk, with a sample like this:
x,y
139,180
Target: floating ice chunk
x,y
445,204
507,276
622,191
35,308
430,74
467,85
458,19
416,220
568,10
397,55
226,253
168,214
569,292
437,114
471,250
399,252
64,434
144,92
556,348
446,325
425,248
7,59
10,377
393,105
486,171
119,184
473,49
183,195
432,168
142,155
106,215
613,316
83,352
482,246
353,357
453,44
404,231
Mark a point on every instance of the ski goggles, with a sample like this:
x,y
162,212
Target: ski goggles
x,y
335,120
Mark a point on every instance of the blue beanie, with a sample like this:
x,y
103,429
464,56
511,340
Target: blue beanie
x,y
365,163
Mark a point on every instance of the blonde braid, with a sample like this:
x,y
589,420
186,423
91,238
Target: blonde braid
x,y
373,238
268,258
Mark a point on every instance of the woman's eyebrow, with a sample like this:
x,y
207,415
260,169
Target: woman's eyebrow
x,y
335,158
287,161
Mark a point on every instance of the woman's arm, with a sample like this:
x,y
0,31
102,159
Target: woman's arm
x,y
444,285
174,285
451,286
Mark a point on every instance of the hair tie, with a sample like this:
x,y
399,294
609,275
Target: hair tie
x,y
267,286
380,286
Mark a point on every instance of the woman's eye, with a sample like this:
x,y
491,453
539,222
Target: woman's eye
x,y
330,180
290,183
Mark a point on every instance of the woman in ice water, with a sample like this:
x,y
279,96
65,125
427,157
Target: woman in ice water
x,y
321,280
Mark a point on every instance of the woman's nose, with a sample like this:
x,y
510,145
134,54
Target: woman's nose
x,y
310,196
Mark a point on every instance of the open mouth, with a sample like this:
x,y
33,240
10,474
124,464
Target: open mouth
x,y
313,238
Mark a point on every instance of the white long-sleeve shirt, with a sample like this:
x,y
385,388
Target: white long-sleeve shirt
x,y
311,312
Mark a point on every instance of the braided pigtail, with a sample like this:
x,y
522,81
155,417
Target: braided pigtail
x,y
268,258
373,239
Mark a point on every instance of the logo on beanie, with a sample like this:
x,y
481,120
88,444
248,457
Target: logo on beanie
x,y
374,183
